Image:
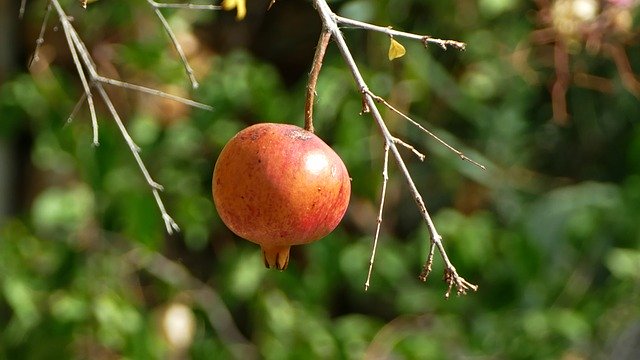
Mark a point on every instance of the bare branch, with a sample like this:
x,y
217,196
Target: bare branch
x,y
428,132
385,179
76,108
425,39
410,147
40,39
151,91
170,224
87,92
176,44
186,6
428,264
323,41
452,278
330,22
83,61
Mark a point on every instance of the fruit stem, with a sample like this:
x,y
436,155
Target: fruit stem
x,y
323,41
276,256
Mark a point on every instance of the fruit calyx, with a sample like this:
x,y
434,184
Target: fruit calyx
x,y
276,257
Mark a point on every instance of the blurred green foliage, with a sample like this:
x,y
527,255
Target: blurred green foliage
x,y
549,231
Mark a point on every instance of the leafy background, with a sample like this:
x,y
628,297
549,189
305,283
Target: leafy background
x,y
549,231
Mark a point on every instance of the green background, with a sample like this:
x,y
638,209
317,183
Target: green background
x,y
550,231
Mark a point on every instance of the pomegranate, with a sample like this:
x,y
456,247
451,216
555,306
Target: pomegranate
x,y
278,185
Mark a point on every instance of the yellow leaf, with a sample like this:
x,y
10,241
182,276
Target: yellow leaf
x,y
396,50
239,5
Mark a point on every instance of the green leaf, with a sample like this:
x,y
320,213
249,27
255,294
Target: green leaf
x,y
624,263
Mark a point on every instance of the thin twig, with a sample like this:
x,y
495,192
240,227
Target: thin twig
x,y
186,6
40,39
428,264
428,132
87,91
152,91
81,57
170,224
23,6
323,41
329,20
176,44
420,155
425,39
385,179
76,108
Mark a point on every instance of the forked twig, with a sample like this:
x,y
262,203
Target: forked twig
x,y
83,80
174,40
90,78
330,21
152,91
425,130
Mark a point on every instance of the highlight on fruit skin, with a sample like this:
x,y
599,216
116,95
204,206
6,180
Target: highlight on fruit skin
x,y
278,185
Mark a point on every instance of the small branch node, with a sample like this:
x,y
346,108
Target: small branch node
x,y
365,106
452,278
156,185
420,155
170,224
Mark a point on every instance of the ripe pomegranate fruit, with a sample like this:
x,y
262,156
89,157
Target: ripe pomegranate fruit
x,y
279,185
